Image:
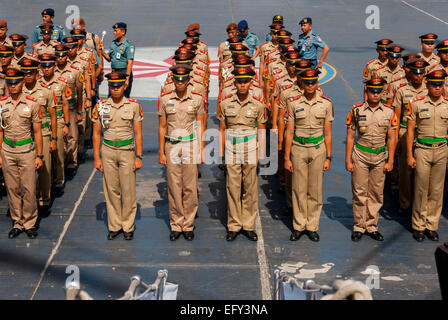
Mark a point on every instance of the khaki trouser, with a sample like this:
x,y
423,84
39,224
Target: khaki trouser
x,y
404,173
84,129
286,177
308,164
367,189
20,179
119,188
58,157
44,193
182,179
71,159
428,187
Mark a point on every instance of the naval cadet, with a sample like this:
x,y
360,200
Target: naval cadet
x,y
309,42
121,156
58,31
249,38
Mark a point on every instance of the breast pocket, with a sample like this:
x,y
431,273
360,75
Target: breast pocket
x,y
424,115
299,114
384,125
6,116
170,112
444,116
230,112
127,116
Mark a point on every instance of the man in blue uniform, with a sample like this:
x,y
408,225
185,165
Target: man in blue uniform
x,y
309,42
250,38
58,31
121,55
277,19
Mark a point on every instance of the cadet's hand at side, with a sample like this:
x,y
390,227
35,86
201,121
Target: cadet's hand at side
x,y
38,163
65,131
388,167
327,165
411,162
53,146
162,159
138,163
288,166
349,166
98,164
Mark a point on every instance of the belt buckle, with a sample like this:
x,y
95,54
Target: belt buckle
x,y
116,143
435,145
13,144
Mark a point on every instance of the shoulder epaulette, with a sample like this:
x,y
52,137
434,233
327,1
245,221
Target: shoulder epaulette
x,y
169,80
228,79
44,85
202,51
326,98
418,98
281,76
103,100
228,85
369,62
204,62
200,68
63,79
227,97
287,86
31,98
389,106
61,27
430,68
380,67
257,98
277,71
272,51
396,79
85,59
132,100
294,98
88,49
314,34
31,55
401,85
196,92
76,68
3,98
56,41
358,105
165,93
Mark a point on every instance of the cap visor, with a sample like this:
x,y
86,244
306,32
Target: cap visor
x,y
13,81
47,64
181,78
116,84
375,90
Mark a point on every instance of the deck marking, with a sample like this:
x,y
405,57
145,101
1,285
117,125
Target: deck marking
x,y
263,262
423,11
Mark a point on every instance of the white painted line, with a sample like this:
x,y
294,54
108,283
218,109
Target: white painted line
x,y
423,11
262,262
62,235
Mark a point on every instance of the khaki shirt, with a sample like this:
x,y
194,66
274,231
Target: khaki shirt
x,y
118,120
431,118
371,126
73,77
387,74
87,58
91,42
46,99
181,113
224,50
19,120
276,68
62,92
282,80
195,84
41,47
433,59
3,89
15,60
439,67
371,66
392,87
230,90
309,117
6,42
403,95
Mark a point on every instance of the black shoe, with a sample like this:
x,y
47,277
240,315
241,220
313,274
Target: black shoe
x,y
31,233
295,235
113,234
375,236
313,235
231,235
58,191
199,174
71,172
356,236
432,235
188,235
288,212
128,235
174,235
418,235
44,210
251,235
405,212
14,233
82,156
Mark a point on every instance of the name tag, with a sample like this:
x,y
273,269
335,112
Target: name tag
x,y
190,108
408,95
362,117
170,105
5,110
231,107
424,109
300,109
118,55
106,116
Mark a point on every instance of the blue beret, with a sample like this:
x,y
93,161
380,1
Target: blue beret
x,y
242,25
306,20
120,25
48,11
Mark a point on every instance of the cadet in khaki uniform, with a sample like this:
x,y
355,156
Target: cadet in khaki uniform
x,y
46,100
374,122
308,143
381,60
46,45
404,93
180,147
120,118
19,43
63,94
20,121
427,44
4,40
442,52
430,115
269,49
240,116
6,54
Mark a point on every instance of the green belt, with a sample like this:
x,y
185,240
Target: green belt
x,y
179,139
71,100
303,140
118,143
45,125
431,141
58,114
404,123
369,150
13,144
239,140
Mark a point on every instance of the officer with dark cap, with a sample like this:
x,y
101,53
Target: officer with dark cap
x,y
427,152
309,42
370,158
4,40
6,55
442,52
308,147
47,17
250,38
241,114
21,153
269,49
121,55
46,45
427,44
277,19
120,120
19,44
381,49
180,149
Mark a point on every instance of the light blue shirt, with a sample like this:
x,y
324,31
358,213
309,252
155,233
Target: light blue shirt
x,y
252,41
120,53
58,34
308,45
